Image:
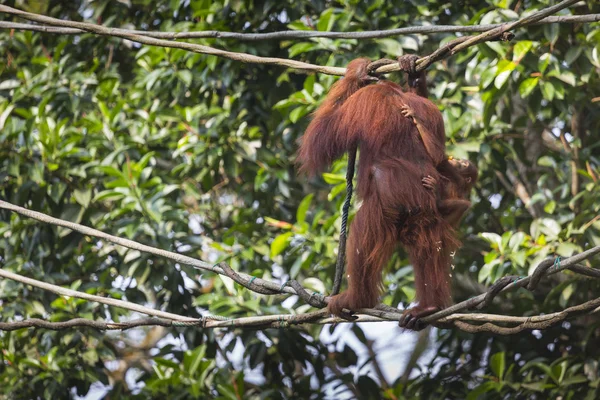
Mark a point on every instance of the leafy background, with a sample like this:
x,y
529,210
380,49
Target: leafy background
x,y
195,153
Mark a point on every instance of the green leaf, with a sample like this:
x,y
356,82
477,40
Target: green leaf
x,y
4,115
487,77
566,249
492,238
516,240
521,49
519,258
549,227
527,86
501,79
9,84
551,32
391,47
326,20
462,149
298,26
482,389
574,380
83,197
298,113
547,90
303,47
544,61
72,213
334,179
488,270
537,386
547,161
109,195
497,364
303,207
568,77
299,263
279,244
572,54
193,359
186,76
550,207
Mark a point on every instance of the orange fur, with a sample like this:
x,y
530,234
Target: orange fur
x,y
393,160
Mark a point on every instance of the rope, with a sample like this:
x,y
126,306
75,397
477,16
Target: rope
x,y
341,259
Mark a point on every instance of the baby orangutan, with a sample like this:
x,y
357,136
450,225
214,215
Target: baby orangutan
x,y
452,200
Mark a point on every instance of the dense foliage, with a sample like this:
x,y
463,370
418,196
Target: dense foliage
x,y
194,154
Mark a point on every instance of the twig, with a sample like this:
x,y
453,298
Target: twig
x,y
376,366
247,280
287,35
541,270
535,322
196,48
82,322
491,35
452,48
318,317
381,313
496,32
104,300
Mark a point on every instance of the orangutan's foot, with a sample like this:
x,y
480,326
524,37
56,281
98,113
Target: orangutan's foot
x,y
411,319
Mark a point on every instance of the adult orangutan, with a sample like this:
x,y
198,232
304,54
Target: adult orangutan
x,y
396,207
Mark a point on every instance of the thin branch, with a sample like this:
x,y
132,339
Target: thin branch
x,y
178,258
104,300
499,32
516,282
260,322
381,313
536,322
82,322
287,35
494,34
196,48
320,317
376,366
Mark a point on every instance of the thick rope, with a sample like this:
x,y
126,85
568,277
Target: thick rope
x,y
341,258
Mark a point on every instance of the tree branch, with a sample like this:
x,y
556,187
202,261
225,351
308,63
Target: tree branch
x,y
491,35
381,313
496,33
287,35
105,300
247,280
196,48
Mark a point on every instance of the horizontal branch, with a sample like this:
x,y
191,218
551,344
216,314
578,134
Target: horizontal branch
x,y
100,299
142,37
322,317
511,283
381,313
530,19
196,48
287,35
82,322
494,34
260,322
527,323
